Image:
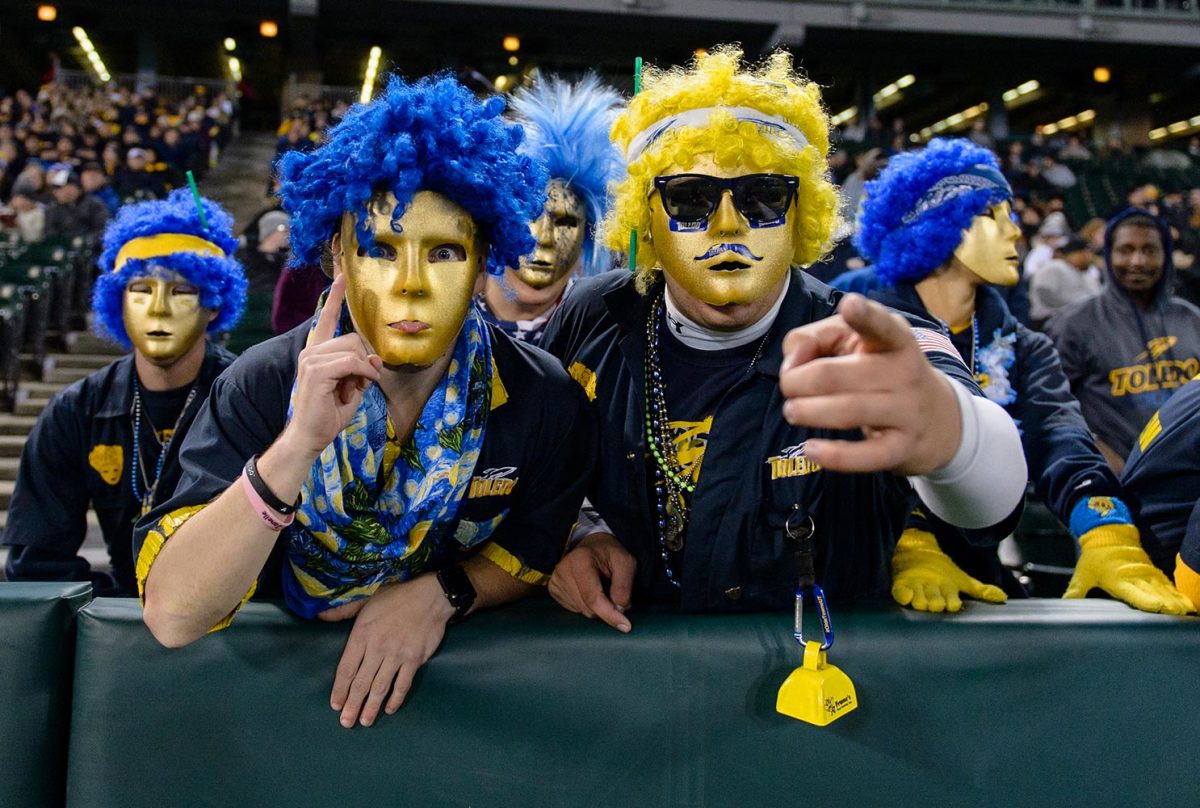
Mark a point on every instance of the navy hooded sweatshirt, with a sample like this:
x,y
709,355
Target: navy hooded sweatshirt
x,y
1063,461
1123,363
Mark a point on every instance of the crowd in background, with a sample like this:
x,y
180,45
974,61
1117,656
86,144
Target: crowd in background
x,y
70,157
1065,190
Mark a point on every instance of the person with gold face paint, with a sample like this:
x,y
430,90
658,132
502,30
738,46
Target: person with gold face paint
x,y
939,228
733,389
111,441
567,131
396,460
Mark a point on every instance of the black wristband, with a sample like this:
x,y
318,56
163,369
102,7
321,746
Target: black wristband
x,y
458,589
268,496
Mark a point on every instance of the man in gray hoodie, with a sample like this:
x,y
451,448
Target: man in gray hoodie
x,y
1127,349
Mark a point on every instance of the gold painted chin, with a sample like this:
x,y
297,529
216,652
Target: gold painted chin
x,y
538,277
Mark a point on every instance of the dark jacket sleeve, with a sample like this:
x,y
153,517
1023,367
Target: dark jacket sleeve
x,y
47,518
229,428
1189,550
548,499
1063,460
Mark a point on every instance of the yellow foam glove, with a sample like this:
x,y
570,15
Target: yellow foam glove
x,y
925,578
1112,559
1187,580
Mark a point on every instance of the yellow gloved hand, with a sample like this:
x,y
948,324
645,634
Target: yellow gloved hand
x,y
925,578
1112,559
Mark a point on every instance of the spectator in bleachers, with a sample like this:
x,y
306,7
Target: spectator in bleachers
x,y
1051,235
1074,150
1127,348
82,125
31,182
867,164
30,217
95,182
166,280
980,136
938,225
74,212
1062,281
136,181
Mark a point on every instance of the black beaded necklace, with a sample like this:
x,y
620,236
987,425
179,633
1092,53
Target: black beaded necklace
x,y
672,486
150,487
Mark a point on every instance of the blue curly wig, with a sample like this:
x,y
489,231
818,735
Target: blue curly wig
x,y
431,135
566,127
906,229
222,281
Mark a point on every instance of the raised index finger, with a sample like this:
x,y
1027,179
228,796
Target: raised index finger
x,y
330,312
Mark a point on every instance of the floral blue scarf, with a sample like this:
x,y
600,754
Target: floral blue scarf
x,y
375,512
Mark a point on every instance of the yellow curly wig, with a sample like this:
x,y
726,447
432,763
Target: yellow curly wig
x,y
721,79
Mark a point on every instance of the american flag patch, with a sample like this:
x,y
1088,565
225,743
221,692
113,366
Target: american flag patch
x,y
929,341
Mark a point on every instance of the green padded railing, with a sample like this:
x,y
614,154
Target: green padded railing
x,y
37,648
1032,703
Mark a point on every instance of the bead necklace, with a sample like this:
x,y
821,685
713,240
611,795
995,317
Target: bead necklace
x,y
672,487
150,487
974,343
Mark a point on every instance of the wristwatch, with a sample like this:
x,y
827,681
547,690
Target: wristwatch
x,y
458,589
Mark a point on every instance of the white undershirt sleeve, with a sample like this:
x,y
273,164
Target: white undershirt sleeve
x,y
985,480
588,522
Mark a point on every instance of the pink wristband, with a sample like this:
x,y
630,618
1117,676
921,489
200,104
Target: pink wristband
x,y
262,509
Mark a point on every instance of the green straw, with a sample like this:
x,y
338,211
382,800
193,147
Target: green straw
x,y
637,88
196,197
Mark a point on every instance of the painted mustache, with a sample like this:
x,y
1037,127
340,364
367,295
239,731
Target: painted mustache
x,y
740,249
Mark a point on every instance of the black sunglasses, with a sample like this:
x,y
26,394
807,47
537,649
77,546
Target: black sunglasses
x,y
690,199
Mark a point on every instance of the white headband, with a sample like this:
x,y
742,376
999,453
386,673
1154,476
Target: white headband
x,y
699,117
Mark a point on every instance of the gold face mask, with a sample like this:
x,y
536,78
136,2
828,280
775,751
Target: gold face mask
x,y
989,246
559,232
409,295
728,261
163,316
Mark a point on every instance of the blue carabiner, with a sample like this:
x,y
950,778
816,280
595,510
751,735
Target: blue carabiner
x,y
822,610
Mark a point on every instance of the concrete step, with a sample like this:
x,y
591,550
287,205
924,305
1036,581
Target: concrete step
x,y
85,342
93,524
8,468
11,445
18,425
79,360
34,389
6,490
64,376
30,406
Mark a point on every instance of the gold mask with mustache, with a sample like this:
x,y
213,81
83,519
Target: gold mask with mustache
x,y
696,262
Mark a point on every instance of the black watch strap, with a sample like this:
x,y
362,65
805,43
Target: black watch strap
x,y
458,588
268,496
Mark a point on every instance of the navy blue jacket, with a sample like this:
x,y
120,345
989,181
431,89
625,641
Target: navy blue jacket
x,y
1124,363
79,453
736,556
1064,463
1162,481
532,468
